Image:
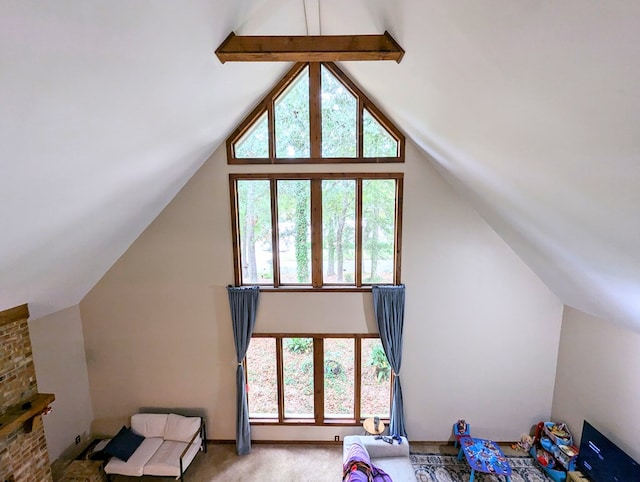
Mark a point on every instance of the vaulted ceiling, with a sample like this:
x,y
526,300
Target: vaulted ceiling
x,y
531,109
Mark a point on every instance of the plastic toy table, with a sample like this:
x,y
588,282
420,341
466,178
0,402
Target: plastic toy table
x,y
484,456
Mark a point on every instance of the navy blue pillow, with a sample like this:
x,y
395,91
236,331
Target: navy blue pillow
x,y
124,444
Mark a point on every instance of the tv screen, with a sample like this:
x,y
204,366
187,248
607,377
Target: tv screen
x,y
602,461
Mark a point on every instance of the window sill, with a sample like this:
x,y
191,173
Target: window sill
x,y
310,289
310,423
314,160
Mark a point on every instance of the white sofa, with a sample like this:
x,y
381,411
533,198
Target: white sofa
x,y
170,444
392,458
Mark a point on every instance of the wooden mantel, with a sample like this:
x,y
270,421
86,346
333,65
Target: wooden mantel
x,y
309,48
23,414
14,314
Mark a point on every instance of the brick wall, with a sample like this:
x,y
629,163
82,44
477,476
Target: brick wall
x,y
23,456
17,374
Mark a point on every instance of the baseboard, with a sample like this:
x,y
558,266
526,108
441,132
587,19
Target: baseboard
x,y
332,442
450,442
277,442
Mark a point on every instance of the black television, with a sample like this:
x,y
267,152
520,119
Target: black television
x,y
603,461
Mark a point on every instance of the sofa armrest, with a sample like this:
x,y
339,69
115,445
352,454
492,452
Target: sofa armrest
x,y
378,448
193,438
203,442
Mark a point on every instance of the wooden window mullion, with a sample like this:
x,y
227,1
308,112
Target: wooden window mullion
x,y
275,233
318,380
315,120
271,121
235,232
280,383
360,129
357,384
358,250
316,233
398,233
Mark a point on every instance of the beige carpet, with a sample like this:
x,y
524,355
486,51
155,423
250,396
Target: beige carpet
x,y
277,463
265,463
284,463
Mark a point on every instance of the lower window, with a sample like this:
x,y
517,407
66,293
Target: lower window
x,y
317,379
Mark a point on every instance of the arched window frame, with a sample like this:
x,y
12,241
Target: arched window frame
x,y
267,105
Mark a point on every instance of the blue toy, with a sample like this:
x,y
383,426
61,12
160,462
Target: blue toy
x,y
460,429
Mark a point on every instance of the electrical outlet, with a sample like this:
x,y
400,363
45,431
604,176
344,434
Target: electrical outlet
x,y
77,439
336,438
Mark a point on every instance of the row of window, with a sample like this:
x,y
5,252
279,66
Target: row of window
x,y
317,379
331,231
317,230
315,114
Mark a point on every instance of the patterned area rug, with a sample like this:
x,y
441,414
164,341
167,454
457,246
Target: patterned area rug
x,y
447,468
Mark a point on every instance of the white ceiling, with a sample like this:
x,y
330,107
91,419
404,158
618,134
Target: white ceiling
x,y
530,108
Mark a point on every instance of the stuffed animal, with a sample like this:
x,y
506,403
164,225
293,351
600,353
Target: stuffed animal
x,y
525,443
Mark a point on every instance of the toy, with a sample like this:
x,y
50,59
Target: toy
x,y
462,427
525,443
390,439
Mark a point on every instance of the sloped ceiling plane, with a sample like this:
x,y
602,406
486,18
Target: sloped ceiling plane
x,y
530,109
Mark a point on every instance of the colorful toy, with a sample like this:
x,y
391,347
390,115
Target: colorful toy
x,y
460,429
525,443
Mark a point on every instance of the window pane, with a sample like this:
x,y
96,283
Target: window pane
x,y
262,378
294,231
339,368
338,230
297,356
255,142
376,380
254,216
377,140
378,227
292,119
339,112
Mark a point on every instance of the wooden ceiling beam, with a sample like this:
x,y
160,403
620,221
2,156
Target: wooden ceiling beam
x,y
311,48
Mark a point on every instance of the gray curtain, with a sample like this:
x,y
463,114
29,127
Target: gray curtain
x,y
243,302
388,306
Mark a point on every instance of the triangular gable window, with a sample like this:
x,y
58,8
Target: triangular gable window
x,y
255,142
292,119
339,118
315,114
378,142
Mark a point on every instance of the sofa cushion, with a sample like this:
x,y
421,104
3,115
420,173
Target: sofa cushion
x,y
124,444
166,460
134,466
181,429
398,468
149,424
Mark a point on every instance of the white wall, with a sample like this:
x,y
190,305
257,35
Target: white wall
x,y
481,330
598,379
61,368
